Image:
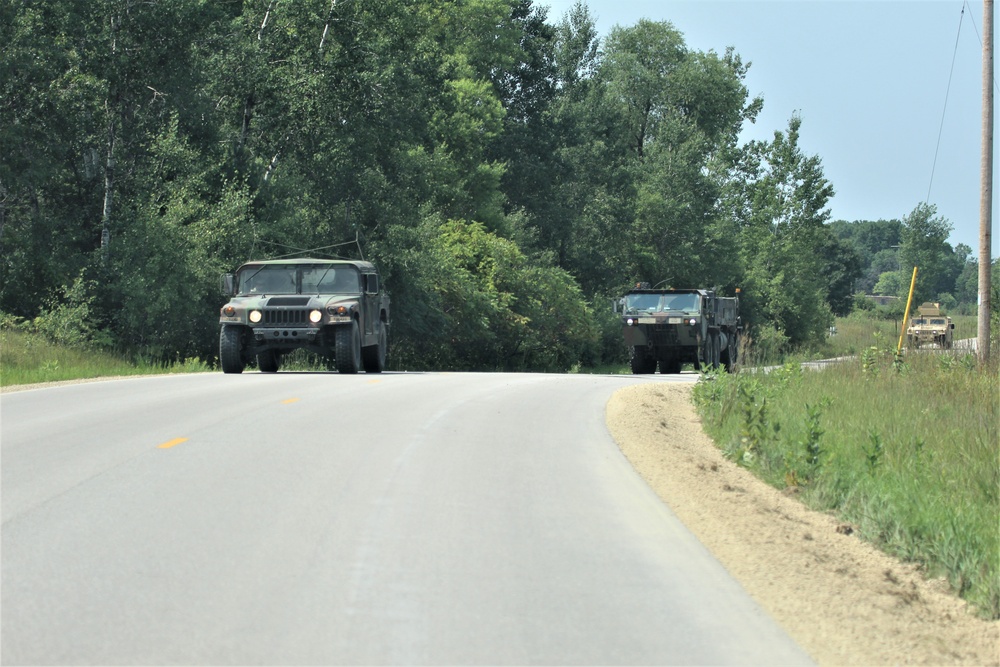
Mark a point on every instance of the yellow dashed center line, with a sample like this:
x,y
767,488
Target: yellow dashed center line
x,y
289,400
171,443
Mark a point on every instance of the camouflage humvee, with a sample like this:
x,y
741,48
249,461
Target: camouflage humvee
x,y
929,325
335,308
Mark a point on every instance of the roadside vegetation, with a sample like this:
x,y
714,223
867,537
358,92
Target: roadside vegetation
x,y
30,357
904,449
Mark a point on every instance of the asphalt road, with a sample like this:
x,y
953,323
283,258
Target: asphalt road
x,y
368,519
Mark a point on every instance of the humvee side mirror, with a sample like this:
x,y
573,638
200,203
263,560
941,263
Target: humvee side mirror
x,y
227,284
952,325
371,283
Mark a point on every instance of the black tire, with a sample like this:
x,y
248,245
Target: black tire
x,y
641,361
348,346
670,366
269,361
373,356
231,349
730,354
711,351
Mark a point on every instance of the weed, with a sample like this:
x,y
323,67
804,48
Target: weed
x,y
909,455
757,429
810,443
874,455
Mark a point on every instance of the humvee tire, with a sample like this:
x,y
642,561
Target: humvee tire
x,y
348,348
373,356
231,349
269,361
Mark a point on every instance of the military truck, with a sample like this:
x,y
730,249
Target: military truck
x,y
334,308
671,327
930,325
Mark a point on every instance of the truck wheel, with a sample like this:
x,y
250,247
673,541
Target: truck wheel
x,y
373,356
348,345
231,349
268,361
670,366
729,355
712,350
641,361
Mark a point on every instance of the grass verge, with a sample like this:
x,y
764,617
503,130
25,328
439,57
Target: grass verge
x,y
29,358
905,450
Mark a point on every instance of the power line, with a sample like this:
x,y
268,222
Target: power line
x,y
975,28
947,92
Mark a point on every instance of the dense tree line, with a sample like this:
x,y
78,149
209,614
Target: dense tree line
x,y
508,171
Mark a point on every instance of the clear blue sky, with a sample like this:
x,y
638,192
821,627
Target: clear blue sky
x,y
869,80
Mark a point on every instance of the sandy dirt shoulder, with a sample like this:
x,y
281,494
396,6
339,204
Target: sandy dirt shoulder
x,y
842,600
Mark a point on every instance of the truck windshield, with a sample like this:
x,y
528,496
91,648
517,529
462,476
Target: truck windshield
x,y
685,302
652,303
299,279
647,303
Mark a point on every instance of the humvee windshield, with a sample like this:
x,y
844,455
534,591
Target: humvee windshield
x,y
937,321
651,303
299,279
918,320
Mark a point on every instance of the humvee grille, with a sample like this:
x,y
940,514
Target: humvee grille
x,y
291,316
288,301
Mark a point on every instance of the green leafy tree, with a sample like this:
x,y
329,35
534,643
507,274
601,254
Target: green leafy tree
x,y
779,201
467,298
924,245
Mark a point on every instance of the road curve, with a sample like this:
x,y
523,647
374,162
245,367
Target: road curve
x,y
332,519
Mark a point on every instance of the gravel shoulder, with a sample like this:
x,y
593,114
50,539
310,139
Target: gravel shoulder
x,y
842,600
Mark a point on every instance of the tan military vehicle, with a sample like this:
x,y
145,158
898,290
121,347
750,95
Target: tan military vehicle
x,y
929,325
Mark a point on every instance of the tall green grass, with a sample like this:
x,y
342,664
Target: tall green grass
x,y
27,358
856,332
906,449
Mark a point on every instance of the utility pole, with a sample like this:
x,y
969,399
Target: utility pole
x,y
986,188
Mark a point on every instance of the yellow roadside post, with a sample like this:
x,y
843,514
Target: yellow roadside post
x,y
906,314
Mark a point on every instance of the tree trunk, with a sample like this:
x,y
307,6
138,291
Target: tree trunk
x,y
109,192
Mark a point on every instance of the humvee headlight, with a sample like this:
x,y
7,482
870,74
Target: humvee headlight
x,y
630,321
229,311
256,316
692,321
315,316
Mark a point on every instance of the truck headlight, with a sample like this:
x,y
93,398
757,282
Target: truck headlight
x,y
315,316
256,316
630,321
692,321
